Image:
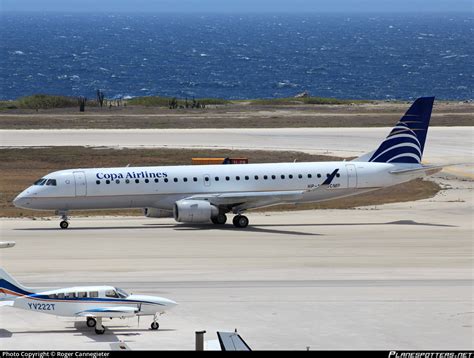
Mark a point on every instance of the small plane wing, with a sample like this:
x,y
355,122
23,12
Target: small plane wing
x,y
123,311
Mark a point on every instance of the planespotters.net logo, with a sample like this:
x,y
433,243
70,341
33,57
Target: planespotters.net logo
x,y
398,354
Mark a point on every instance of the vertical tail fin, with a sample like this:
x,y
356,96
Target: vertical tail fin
x,y
406,141
11,287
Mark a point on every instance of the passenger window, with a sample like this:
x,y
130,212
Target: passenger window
x,y
195,179
310,176
216,178
166,180
117,181
273,177
227,178
256,177
265,177
319,175
282,176
156,180
290,176
185,179
111,293
175,180
327,175
137,181
127,181
247,177
81,294
338,175
107,182
147,181
97,182
94,294
300,176
51,182
206,178
237,178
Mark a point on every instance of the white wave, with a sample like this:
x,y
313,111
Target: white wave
x,y
17,52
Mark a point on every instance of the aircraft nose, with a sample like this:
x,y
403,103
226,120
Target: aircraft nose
x,y
21,201
168,303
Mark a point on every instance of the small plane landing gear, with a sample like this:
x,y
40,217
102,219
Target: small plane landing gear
x,y
240,221
219,219
154,325
64,224
99,329
91,322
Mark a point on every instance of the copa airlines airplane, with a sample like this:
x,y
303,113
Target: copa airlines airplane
x,y
195,194
91,302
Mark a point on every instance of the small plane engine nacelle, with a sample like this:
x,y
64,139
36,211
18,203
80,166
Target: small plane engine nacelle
x,y
194,211
157,213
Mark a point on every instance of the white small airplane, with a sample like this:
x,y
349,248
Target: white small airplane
x,y
92,302
203,193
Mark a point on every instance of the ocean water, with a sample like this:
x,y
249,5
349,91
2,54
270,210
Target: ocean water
x,y
357,56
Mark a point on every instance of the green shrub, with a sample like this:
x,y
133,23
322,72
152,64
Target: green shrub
x,y
44,101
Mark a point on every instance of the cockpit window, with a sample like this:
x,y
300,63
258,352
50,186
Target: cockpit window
x,y
111,293
121,293
40,181
51,182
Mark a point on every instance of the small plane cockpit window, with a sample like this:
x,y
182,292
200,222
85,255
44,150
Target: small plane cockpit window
x,y
121,293
111,293
40,181
81,294
94,294
53,296
70,295
61,295
51,182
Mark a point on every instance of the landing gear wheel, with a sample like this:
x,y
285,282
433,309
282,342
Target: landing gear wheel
x,y
240,221
155,325
99,331
91,322
63,224
219,219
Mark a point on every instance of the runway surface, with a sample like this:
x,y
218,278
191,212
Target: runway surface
x,y
398,276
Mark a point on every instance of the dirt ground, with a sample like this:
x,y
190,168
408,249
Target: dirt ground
x,y
21,167
235,115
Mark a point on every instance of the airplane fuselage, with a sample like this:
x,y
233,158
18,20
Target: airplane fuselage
x,y
161,187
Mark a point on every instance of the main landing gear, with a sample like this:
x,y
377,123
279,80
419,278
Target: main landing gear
x,y
64,224
154,325
240,221
99,329
91,322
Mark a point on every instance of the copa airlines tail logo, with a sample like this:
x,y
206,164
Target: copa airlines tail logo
x,y
401,146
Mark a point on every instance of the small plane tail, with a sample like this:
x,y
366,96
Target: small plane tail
x,y
11,287
406,141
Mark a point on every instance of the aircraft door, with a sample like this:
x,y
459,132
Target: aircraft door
x,y
81,184
351,176
207,180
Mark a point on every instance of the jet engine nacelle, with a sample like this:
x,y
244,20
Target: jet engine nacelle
x,y
157,213
194,211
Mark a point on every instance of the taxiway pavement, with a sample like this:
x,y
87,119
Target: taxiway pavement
x,y
397,276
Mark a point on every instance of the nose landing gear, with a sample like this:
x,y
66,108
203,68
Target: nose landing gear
x,y
64,224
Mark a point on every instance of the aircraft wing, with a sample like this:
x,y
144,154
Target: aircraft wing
x,y
120,311
248,200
